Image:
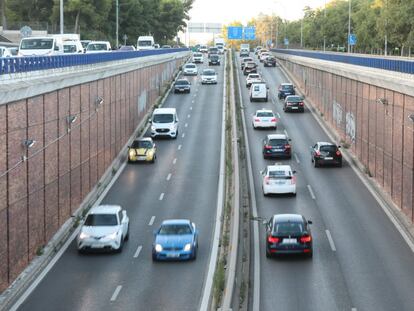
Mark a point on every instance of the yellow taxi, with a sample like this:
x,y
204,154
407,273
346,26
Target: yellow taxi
x,y
142,149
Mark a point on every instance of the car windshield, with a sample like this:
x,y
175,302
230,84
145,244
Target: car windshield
x,y
96,47
265,114
179,229
279,175
287,87
190,66
101,220
277,141
198,55
328,148
209,73
141,144
36,44
294,99
215,57
288,228
163,118
144,43
254,76
182,82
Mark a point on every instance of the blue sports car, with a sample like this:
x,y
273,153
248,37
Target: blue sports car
x,y
176,239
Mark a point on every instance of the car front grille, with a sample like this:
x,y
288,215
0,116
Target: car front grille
x,y
173,248
162,130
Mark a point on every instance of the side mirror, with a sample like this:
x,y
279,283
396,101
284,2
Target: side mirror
x,y
303,97
310,222
289,139
339,147
154,232
264,222
293,172
149,121
261,172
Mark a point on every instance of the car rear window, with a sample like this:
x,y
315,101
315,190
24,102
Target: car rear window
x,y
254,76
279,175
287,87
288,228
101,220
294,99
276,142
265,114
175,229
328,148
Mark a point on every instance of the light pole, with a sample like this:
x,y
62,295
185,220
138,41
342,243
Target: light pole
x,y
324,28
301,33
349,25
386,26
61,17
117,23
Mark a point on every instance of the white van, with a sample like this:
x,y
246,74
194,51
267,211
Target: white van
x,y
259,91
98,47
72,47
164,122
145,43
40,46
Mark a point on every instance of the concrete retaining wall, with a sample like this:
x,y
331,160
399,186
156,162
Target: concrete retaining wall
x,y
41,187
369,110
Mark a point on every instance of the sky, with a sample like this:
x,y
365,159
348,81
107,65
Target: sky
x,y
226,11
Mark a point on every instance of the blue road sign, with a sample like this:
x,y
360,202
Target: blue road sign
x,y
352,40
235,33
286,41
249,33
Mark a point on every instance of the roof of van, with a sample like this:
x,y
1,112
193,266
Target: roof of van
x,y
146,37
165,110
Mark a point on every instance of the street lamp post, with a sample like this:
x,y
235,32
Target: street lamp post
x,y
349,25
61,17
324,28
301,33
117,23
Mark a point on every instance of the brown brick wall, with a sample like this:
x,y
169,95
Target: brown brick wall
x,y
384,138
40,192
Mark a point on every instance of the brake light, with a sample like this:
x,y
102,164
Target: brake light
x,y
273,120
317,153
293,180
287,146
268,147
338,153
300,104
257,120
266,180
306,239
272,239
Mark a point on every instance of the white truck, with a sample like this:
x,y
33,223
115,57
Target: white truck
x,y
219,44
245,46
145,43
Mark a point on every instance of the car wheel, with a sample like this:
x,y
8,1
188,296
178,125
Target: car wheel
x,y
154,157
189,91
121,246
127,235
309,255
315,163
154,257
251,99
340,164
266,99
268,255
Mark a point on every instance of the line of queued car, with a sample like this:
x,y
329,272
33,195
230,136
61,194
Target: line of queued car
x,y
285,233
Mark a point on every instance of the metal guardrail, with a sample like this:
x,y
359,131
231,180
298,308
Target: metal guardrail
x,y
404,66
9,65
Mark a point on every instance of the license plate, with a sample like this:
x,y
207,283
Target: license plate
x,y
173,255
279,182
328,158
278,150
294,107
289,241
97,246
142,158
181,90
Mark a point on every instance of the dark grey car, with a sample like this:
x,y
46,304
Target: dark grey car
x,y
182,86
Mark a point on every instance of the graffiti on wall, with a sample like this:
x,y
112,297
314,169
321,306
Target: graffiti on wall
x,y
142,102
350,129
337,113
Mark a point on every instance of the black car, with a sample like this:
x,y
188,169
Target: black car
x,y
277,146
269,61
286,89
293,103
288,234
244,53
182,86
245,61
326,153
249,67
212,51
214,60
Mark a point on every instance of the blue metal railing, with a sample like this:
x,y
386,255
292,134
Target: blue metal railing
x,y
10,65
404,66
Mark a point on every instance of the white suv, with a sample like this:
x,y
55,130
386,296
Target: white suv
x,y
278,179
106,227
164,122
259,91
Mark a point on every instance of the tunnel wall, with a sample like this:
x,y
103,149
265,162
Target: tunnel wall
x,y
369,112
41,187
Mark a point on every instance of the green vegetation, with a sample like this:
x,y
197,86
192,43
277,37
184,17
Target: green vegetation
x,y
371,21
95,19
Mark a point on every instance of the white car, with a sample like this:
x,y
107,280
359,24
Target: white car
x,y
259,91
203,49
198,58
164,122
278,179
5,52
263,56
264,118
253,78
190,69
72,47
98,47
106,227
209,76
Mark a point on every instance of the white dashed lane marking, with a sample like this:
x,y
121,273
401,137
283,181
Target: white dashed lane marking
x,y
311,192
183,135
169,176
185,125
191,108
138,251
116,292
189,116
296,158
179,147
331,242
151,222
161,196
174,161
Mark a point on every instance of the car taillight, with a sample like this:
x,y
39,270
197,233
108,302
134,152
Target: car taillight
x,y
306,239
338,153
268,147
257,120
273,120
300,104
317,153
287,146
293,180
266,180
272,239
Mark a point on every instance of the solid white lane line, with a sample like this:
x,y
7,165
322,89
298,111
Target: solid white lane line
x,y
169,176
174,161
331,242
151,222
183,135
179,147
185,125
161,196
116,292
296,158
138,251
354,309
311,192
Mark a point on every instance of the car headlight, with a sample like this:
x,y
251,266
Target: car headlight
x,y
187,247
152,128
158,248
83,235
112,236
131,153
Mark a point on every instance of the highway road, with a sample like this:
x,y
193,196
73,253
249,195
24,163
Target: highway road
x,y
181,184
360,260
